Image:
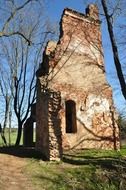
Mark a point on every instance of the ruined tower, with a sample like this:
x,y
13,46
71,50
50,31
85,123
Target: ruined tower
x,y
74,101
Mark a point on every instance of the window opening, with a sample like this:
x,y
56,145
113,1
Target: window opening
x,y
71,125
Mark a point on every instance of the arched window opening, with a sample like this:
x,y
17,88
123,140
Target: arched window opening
x,y
71,124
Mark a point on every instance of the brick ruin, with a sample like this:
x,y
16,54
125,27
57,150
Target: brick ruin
x,y
74,108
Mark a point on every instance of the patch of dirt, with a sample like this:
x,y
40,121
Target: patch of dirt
x,y
12,173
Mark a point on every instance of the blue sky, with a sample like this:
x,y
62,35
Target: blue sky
x,y
54,11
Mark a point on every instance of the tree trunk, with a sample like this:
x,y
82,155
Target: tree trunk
x,y
114,49
10,114
19,133
6,116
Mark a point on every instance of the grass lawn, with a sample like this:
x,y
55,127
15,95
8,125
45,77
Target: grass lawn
x,y
82,170
79,170
13,136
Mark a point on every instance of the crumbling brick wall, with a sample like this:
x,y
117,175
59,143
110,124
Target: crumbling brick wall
x,y
74,67
48,130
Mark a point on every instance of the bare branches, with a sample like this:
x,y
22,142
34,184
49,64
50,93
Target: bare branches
x,y
15,33
115,50
14,13
22,53
4,32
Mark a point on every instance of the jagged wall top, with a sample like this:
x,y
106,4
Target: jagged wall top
x,y
92,13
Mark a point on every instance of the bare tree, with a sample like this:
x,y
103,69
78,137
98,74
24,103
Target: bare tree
x,y
12,13
24,86
7,98
19,60
23,61
114,47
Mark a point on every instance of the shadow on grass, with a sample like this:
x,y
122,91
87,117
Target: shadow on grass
x,y
22,152
104,162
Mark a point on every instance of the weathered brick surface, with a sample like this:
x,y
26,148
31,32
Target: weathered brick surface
x,y
75,68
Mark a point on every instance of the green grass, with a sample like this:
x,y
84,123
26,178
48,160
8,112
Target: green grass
x,y
79,170
82,170
13,136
